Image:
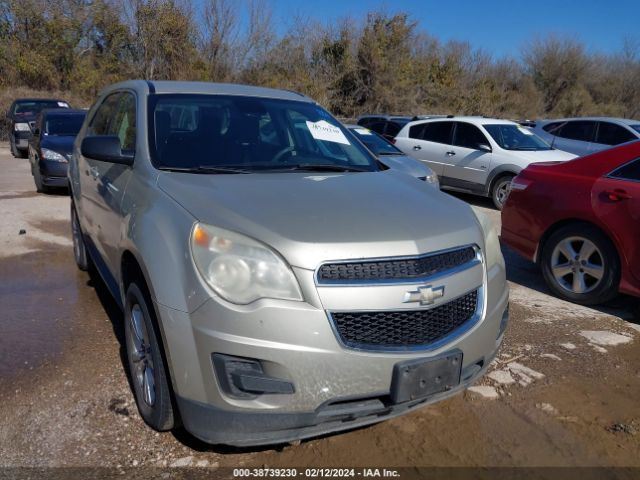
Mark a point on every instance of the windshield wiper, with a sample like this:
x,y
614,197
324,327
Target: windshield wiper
x,y
325,167
206,169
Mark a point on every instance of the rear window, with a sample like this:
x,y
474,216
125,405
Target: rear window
x,y
191,131
439,132
612,134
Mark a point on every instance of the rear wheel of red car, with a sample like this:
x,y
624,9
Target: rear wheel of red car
x,y
500,190
580,264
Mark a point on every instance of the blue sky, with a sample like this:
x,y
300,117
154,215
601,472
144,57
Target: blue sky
x,y
500,27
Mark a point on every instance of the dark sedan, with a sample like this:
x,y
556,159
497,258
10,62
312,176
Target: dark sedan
x,y
51,146
22,115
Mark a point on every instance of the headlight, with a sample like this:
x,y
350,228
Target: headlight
x,y
492,251
54,156
22,127
240,269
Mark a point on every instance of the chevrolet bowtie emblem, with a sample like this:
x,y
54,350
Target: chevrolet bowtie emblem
x,y
425,295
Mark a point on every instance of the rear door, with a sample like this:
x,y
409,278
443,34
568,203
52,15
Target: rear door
x,y
610,134
469,166
575,136
616,202
429,142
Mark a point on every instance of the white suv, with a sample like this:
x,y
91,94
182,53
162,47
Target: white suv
x,y
475,154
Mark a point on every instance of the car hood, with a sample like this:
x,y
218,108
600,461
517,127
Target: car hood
x,y
406,164
58,143
310,218
544,155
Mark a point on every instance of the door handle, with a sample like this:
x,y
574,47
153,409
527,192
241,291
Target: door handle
x,y
417,147
450,153
617,195
94,172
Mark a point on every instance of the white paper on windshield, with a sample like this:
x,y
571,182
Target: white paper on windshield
x,y
363,131
63,104
323,130
526,131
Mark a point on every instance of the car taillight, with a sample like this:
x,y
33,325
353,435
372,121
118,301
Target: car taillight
x,y
520,183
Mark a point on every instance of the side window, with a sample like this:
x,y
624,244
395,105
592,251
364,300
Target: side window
x,y
553,128
581,130
469,136
100,122
612,134
439,132
416,131
123,123
392,129
630,171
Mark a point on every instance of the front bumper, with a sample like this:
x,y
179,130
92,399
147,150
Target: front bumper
x,y
54,174
217,426
295,342
21,140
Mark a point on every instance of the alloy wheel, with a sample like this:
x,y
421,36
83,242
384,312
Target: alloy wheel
x,y
577,265
142,371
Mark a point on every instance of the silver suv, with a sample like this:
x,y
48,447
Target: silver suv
x,y
277,283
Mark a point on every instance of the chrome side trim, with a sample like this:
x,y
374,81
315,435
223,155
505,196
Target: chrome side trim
x,y
478,260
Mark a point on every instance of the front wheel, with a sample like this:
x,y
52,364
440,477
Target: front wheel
x,y
148,376
580,264
500,190
79,248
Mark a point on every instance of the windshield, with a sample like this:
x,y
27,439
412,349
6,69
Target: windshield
x,y
36,106
194,132
63,125
374,142
515,137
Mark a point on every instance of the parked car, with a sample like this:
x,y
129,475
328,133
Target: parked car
x,y
392,157
386,125
276,284
51,146
475,154
22,115
580,222
583,136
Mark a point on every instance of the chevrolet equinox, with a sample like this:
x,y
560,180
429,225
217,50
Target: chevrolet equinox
x,y
277,281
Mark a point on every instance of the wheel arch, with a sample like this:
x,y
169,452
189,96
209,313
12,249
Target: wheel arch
x,y
499,172
572,221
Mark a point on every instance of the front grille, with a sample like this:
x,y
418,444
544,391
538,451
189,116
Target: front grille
x,y
404,328
402,269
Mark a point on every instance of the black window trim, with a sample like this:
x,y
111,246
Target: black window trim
x,y
104,99
612,175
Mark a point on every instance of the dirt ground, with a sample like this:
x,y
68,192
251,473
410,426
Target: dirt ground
x,y
563,392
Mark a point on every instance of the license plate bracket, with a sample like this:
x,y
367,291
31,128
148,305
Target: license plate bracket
x,y
420,378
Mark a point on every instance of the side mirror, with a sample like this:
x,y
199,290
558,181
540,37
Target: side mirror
x,y
105,148
484,147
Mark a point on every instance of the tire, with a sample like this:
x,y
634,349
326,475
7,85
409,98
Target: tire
x,y
500,190
80,253
144,357
37,180
592,275
12,146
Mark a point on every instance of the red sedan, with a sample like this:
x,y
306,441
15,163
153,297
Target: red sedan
x,y
580,221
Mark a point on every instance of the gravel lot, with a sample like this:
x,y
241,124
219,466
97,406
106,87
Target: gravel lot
x,y
563,392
